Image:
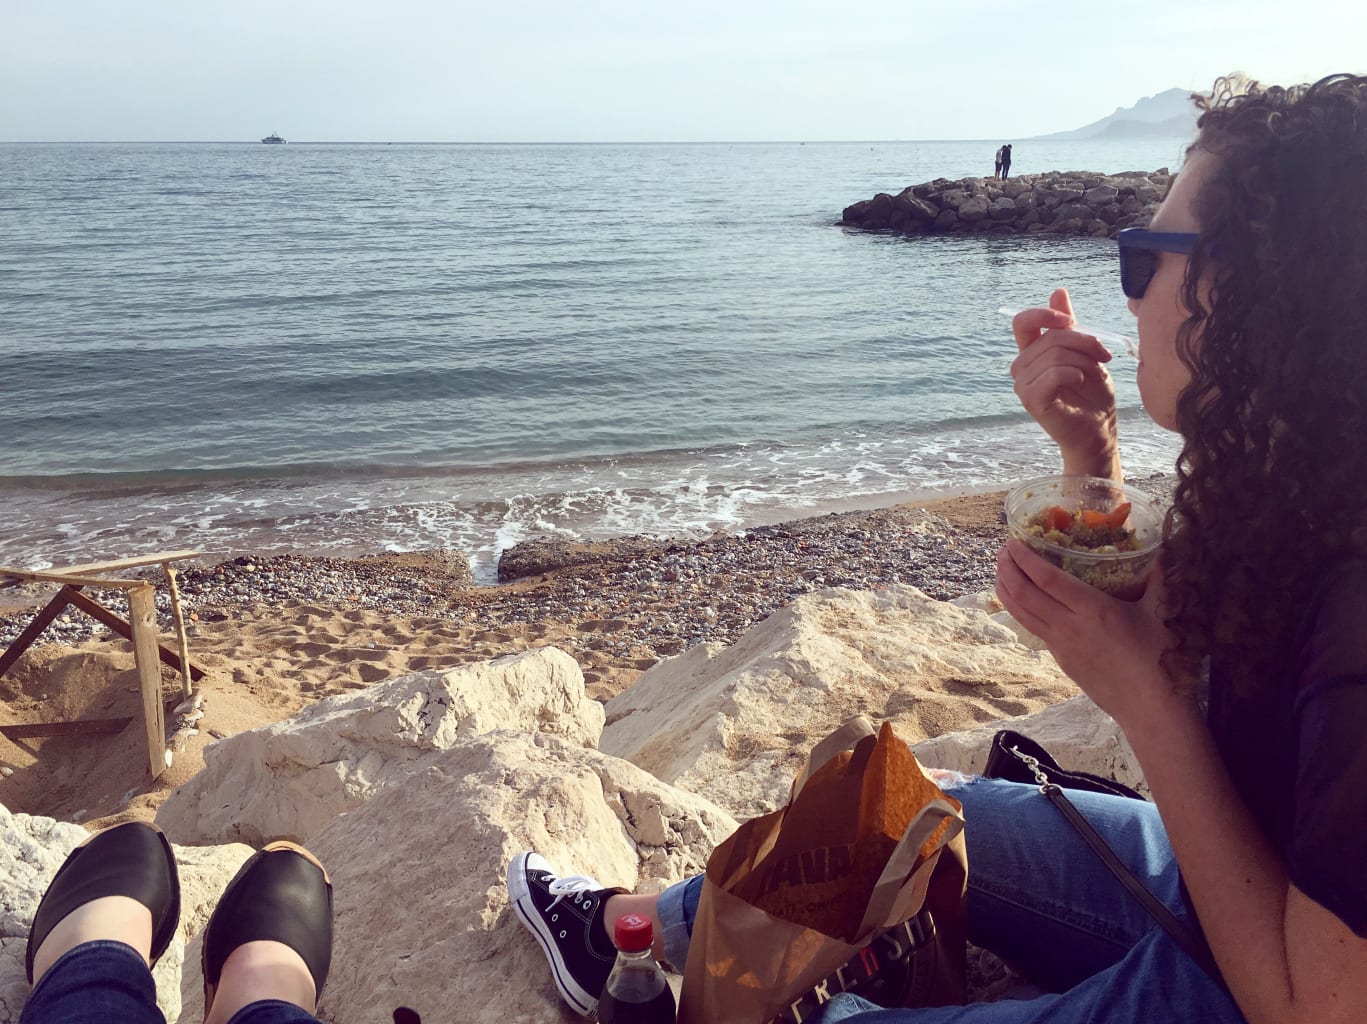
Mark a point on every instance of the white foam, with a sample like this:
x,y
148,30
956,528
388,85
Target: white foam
x,y
674,494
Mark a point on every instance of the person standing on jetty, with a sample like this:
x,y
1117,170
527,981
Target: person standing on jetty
x,y
1239,677
1003,162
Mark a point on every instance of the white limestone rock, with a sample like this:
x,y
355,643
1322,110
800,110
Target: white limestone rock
x,y
986,601
290,779
733,724
31,850
422,912
1078,734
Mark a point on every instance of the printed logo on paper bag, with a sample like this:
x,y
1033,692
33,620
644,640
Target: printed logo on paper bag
x,y
896,969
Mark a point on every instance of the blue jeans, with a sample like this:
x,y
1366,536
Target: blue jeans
x,y
108,983
1041,900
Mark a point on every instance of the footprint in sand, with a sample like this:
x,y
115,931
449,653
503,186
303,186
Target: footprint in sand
x,y
372,673
354,655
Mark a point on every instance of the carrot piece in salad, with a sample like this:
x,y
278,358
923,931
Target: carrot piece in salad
x,y
1114,519
1056,518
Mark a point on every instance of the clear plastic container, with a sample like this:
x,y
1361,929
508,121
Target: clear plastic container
x,y
1118,573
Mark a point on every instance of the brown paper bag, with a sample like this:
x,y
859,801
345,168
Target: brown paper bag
x,y
833,892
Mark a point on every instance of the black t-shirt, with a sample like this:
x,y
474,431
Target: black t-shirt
x,y
1297,750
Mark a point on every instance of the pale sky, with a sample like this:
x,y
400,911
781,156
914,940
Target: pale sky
x,y
631,70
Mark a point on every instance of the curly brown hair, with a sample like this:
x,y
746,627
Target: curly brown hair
x,y
1272,479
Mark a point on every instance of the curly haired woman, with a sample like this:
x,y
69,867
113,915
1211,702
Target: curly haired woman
x,y
1240,677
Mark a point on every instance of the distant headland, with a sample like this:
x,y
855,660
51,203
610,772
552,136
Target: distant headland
x,y
1170,114
1056,203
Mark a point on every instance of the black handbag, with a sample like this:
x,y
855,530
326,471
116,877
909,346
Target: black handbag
x,y
1018,758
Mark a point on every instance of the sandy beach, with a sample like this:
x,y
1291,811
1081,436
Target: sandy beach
x,y
277,633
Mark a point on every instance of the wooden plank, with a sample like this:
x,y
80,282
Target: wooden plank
x,y
100,613
34,629
187,688
142,617
128,563
80,727
84,727
51,576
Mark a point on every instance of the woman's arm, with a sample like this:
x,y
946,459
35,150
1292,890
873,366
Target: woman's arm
x,y
1285,958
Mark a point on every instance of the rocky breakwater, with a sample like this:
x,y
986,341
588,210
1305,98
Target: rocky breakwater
x,y
1059,203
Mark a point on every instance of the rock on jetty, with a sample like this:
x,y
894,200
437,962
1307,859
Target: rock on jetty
x,y
1059,202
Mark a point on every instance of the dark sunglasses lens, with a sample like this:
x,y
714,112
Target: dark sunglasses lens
x,y
1136,270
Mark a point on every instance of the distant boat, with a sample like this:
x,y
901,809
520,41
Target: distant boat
x,y
273,139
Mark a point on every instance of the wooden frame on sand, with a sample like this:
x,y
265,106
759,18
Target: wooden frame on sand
x,y
140,628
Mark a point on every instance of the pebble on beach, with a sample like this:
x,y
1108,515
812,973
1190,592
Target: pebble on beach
x,y
615,602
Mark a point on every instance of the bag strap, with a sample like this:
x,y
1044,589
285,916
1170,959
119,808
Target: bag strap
x,y
902,867
844,738
1181,933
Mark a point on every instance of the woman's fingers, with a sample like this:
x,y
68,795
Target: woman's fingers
x,y
1029,364
1040,391
1062,338
1068,377
1011,583
1033,607
1029,324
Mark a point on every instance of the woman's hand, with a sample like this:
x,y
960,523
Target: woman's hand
x,y
1062,382
1109,647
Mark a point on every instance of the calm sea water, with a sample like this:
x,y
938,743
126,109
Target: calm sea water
x,y
344,348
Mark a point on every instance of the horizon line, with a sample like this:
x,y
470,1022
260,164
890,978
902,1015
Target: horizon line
x,y
539,142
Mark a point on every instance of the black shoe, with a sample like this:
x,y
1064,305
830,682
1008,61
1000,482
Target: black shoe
x,y
566,917
282,894
134,860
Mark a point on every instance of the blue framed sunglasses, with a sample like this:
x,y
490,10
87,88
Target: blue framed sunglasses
x,y
1139,249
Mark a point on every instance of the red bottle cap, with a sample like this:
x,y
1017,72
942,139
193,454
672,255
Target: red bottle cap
x,y
632,933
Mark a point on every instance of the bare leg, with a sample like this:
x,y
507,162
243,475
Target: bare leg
x,y
114,918
635,903
261,970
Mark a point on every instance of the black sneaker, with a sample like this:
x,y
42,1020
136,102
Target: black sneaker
x,y
566,917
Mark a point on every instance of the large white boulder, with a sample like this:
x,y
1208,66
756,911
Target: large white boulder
x,y
1078,734
290,779
733,724
422,912
31,851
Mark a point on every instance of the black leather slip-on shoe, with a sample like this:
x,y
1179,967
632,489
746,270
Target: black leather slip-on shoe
x,y
134,860
282,894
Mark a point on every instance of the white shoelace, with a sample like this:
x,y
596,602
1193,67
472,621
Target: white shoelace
x,y
569,885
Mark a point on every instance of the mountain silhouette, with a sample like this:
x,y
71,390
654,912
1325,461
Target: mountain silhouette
x,y
1170,113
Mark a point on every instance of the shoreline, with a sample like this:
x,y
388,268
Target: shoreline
x,y
277,634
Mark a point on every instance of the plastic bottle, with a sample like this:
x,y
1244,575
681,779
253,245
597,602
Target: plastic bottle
x,y
637,991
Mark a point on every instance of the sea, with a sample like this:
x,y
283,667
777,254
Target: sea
x,y
347,348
